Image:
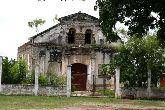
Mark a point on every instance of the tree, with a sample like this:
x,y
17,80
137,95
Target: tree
x,y
136,14
7,77
106,72
20,70
35,23
135,57
14,72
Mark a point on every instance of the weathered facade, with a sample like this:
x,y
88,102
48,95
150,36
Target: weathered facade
x,y
76,40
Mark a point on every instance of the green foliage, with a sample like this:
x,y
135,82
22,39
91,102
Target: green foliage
x,y
7,76
30,77
136,14
14,72
35,23
54,80
42,79
57,80
107,70
107,92
135,57
161,88
73,88
94,46
23,71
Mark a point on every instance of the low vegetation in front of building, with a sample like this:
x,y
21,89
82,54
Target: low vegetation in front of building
x,y
107,92
53,80
16,72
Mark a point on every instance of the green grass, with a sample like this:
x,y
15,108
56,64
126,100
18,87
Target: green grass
x,y
107,92
43,102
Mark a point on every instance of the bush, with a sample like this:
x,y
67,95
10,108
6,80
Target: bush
x,y
107,92
14,72
42,79
57,80
62,80
30,78
7,75
23,71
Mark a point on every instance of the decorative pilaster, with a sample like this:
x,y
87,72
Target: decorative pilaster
x,y
89,79
36,80
68,80
117,76
93,72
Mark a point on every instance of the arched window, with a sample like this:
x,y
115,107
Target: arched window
x,y
88,34
71,35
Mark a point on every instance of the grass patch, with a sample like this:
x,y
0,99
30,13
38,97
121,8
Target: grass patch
x,y
43,102
107,92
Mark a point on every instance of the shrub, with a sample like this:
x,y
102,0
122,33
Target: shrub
x,y
7,76
42,79
107,92
62,80
30,78
57,80
14,72
23,71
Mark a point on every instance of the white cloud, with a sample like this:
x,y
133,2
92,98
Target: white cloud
x,y
14,15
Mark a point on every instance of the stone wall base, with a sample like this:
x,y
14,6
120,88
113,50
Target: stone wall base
x,y
15,89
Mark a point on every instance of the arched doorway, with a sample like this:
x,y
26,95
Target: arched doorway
x,y
79,77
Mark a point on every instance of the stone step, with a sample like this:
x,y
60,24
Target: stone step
x,y
81,93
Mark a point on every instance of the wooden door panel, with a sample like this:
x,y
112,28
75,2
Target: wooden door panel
x,y
79,76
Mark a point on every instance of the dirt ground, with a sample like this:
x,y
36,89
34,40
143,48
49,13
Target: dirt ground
x,y
110,107
90,108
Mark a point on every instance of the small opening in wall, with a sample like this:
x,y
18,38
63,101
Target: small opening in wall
x,y
71,36
55,55
88,34
42,53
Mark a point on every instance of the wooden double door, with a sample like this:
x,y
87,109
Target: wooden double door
x,y
79,77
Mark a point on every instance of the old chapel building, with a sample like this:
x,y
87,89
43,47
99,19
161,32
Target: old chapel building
x,y
76,40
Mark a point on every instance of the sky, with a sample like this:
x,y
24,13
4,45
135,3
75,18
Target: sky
x,y
15,15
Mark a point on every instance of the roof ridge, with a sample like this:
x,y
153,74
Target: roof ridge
x,y
60,19
79,12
